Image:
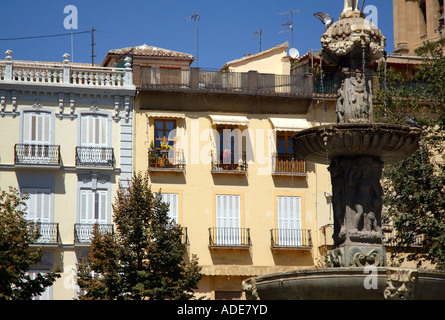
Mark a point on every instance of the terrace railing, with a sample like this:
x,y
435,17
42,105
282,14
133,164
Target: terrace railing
x,y
204,80
43,73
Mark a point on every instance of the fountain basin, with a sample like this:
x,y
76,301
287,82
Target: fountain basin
x,y
355,283
387,142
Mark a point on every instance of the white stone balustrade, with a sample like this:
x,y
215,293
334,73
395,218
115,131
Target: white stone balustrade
x,y
45,73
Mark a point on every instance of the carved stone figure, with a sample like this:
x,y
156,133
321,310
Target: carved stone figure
x,y
350,5
400,284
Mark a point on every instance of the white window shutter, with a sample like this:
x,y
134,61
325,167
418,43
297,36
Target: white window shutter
x,y
289,221
228,230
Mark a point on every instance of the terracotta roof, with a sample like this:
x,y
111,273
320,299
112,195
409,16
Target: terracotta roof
x,y
151,51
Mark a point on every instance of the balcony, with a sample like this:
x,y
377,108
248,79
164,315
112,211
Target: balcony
x,y
229,238
389,233
290,239
31,155
166,161
213,81
49,233
83,231
97,157
228,164
286,165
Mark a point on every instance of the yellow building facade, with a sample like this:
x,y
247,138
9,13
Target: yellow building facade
x,y
218,147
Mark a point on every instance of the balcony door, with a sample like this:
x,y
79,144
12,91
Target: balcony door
x,y
38,204
37,128
289,221
172,200
228,223
93,206
36,137
94,131
94,140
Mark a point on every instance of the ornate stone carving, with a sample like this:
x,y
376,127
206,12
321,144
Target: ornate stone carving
x,y
400,284
345,40
249,287
357,199
357,255
354,103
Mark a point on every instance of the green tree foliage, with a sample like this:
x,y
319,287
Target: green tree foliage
x,y
145,258
16,254
415,187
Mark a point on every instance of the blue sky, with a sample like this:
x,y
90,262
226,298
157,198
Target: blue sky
x,y
226,28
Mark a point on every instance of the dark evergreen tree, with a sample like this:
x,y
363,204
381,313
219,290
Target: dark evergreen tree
x,y
17,234
145,258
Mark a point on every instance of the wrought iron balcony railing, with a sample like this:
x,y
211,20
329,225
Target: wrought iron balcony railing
x,y
37,154
290,238
49,233
168,160
390,235
94,157
83,231
231,237
285,164
229,164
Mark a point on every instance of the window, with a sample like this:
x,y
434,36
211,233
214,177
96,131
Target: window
x,y
289,221
164,134
45,295
228,230
94,130
38,205
284,142
172,200
226,144
37,127
94,147
93,206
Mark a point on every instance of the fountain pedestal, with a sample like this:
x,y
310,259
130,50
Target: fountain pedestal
x,y
356,153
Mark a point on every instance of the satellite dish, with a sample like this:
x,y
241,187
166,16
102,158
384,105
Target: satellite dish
x,y
293,53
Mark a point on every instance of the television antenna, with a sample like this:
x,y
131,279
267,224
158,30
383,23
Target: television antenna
x,y
195,17
260,34
290,23
92,46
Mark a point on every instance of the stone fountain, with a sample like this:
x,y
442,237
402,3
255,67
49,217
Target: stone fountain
x,y
356,150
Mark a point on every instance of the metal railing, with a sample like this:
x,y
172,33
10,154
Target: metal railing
x,y
95,156
36,154
229,164
166,160
83,231
49,232
290,238
283,163
197,79
238,237
390,234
